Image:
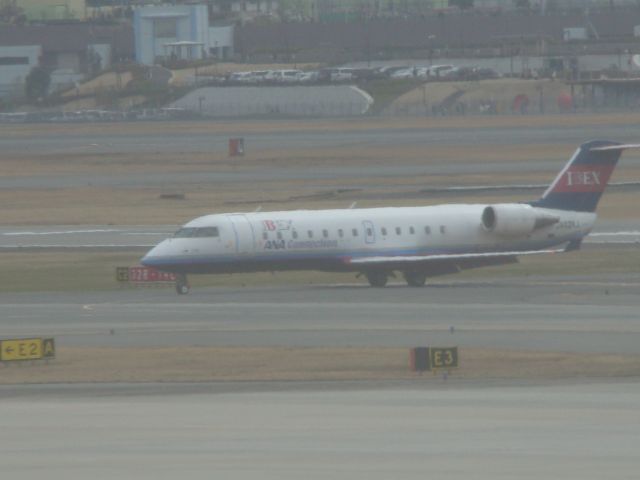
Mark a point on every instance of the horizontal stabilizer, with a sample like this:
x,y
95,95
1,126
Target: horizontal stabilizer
x,y
615,147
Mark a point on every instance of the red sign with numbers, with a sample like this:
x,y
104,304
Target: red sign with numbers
x,y
147,274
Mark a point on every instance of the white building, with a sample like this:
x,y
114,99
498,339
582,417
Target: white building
x,y
180,32
15,64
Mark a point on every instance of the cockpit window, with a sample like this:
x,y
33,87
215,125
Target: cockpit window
x,y
190,232
207,232
184,232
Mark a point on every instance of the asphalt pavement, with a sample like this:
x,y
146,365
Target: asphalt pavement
x,y
183,143
574,431
576,314
341,430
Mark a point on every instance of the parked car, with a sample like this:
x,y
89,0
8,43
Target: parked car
x,y
363,74
286,76
342,74
441,71
241,77
309,77
262,76
405,73
387,71
422,72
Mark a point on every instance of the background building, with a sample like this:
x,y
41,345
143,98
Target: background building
x,y
70,53
178,32
15,64
44,10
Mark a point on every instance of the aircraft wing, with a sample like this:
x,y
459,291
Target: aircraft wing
x,y
499,257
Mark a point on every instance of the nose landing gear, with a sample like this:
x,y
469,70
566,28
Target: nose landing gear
x,y
182,284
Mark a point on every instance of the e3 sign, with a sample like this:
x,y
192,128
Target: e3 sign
x,y
443,357
433,358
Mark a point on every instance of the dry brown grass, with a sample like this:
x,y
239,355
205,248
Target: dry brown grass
x,y
86,271
89,162
204,364
110,206
502,90
304,125
87,204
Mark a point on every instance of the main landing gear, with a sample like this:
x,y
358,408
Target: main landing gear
x,y
415,279
377,279
182,284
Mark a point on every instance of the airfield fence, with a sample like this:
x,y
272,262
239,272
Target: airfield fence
x,y
268,110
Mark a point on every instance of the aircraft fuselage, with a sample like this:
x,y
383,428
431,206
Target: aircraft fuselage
x,y
333,240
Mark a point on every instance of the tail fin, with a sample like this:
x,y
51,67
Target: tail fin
x,y
582,181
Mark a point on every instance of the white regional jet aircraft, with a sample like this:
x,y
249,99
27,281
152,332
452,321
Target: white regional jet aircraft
x,y
420,242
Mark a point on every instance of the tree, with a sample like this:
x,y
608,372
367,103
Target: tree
x,y
10,13
37,83
461,4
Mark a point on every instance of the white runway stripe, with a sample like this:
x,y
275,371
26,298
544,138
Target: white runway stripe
x,y
65,232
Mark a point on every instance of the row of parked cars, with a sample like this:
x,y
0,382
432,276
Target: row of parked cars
x,y
442,72
292,76
345,74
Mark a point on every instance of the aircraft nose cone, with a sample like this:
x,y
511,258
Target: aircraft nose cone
x,y
146,261
153,257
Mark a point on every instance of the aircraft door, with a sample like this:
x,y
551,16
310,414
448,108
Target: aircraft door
x,y
369,232
243,232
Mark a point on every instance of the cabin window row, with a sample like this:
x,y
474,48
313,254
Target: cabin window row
x,y
354,232
412,230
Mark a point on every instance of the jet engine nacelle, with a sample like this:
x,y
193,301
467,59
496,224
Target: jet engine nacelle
x,y
514,219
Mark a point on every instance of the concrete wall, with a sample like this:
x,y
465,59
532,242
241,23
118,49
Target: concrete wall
x,y
15,64
64,79
104,51
221,41
313,101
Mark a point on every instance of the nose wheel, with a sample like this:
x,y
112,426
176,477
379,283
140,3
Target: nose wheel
x,y
182,285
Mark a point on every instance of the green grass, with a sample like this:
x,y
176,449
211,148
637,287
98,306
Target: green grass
x,y
60,271
91,271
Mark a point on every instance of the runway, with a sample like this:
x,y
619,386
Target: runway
x,y
183,142
580,431
74,237
476,429
572,314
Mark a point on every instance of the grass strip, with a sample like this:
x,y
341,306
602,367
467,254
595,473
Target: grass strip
x,y
206,364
